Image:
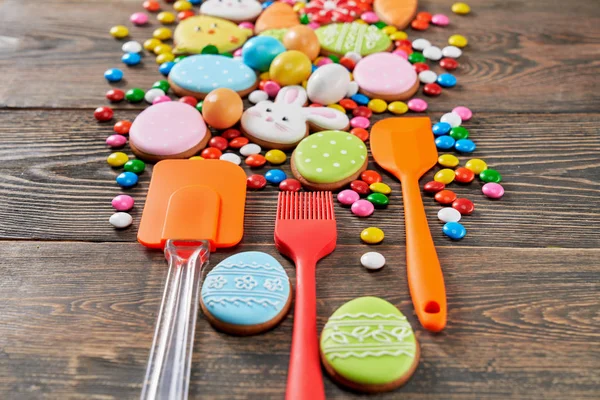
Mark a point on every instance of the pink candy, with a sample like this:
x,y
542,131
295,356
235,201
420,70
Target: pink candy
x,y
161,99
493,190
348,197
464,113
369,17
440,20
314,25
139,18
246,25
362,208
238,52
272,88
417,105
116,141
400,53
324,61
360,122
122,202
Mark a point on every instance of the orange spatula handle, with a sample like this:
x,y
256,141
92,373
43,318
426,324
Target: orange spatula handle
x,y
425,278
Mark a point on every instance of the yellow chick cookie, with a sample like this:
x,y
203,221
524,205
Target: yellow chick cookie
x,y
195,33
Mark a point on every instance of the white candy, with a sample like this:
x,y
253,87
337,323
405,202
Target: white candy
x,y
451,52
427,76
449,214
249,149
120,220
328,84
231,157
153,94
452,118
131,47
433,53
352,89
421,44
353,56
372,260
257,96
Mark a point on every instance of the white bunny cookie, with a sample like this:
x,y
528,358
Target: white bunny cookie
x,y
233,10
285,122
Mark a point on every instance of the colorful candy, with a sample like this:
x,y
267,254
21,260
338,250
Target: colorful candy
x,y
122,202
465,146
490,175
454,230
441,128
452,118
433,187
275,157
464,112
120,220
464,206
446,80
348,197
464,175
458,41
103,114
360,187
445,176
117,159
116,141
127,179
135,166
256,181
290,185
119,31
444,142
449,214
372,235
380,187
275,176
255,160
398,107
476,165
370,176
448,160
249,149
134,95
122,127
493,190
362,208
417,105
231,157
379,200
459,133
445,196
115,95
372,260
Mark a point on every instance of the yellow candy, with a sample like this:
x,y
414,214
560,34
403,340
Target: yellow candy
x,y
162,33
388,30
182,5
166,17
337,107
399,35
458,41
298,6
304,84
275,157
380,187
397,107
461,8
151,44
162,49
448,160
445,176
197,158
377,106
372,235
165,57
290,68
359,21
476,165
265,76
117,159
119,31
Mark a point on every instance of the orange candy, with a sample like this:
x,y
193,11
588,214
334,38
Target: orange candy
x,y
419,25
255,160
445,196
360,133
371,177
181,15
211,153
238,142
348,104
122,127
424,16
151,5
222,108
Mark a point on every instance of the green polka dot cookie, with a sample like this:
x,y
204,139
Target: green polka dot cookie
x,y
329,160
369,346
363,39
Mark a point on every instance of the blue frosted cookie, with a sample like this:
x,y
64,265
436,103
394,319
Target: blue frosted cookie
x,y
246,293
200,74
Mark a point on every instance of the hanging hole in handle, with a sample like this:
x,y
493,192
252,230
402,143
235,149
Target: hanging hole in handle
x,y
432,307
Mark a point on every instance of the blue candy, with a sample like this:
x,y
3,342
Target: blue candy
x,y
275,176
166,67
465,145
266,4
446,80
113,75
360,99
444,142
259,52
131,58
127,179
195,2
454,230
441,128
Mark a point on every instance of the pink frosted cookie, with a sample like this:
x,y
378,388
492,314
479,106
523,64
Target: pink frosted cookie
x,y
386,76
168,130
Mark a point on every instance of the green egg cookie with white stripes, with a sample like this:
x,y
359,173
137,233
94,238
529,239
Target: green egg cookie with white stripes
x,y
339,39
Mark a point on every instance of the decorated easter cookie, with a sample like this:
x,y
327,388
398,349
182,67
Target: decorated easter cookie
x,y
386,76
200,74
233,10
195,33
398,13
278,15
168,130
328,84
369,346
329,160
284,123
246,293
328,11
363,39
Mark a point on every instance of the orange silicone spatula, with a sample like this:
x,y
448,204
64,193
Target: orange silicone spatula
x,y
405,148
193,207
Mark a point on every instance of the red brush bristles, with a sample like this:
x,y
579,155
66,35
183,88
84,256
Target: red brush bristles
x,y
305,205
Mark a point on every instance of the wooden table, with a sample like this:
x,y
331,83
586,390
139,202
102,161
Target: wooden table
x,y
78,300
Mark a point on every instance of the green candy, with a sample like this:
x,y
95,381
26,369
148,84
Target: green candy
x,y
134,95
199,106
227,55
459,132
334,58
304,19
379,200
380,24
210,49
178,58
490,175
416,57
162,85
135,166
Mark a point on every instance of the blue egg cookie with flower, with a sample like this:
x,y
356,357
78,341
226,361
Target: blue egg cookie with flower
x,y
246,293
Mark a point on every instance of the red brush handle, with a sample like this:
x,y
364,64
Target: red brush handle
x,y
305,381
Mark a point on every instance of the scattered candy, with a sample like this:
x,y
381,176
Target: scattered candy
x,y
360,133
127,179
360,99
256,181
451,52
116,141
448,160
161,99
434,187
132,47
152,94
440,20
348,197
465,146
275,176
211,153
103,114
459,133
448,64
449,214
162,33
397,107
290,185
446,80
372,235
135,166
446,176
134,95
238,142
275,157
139,18
476,165
166,17
231,157
464,113
370,176
115,95
461,8
380,187
372,260
151,5
377,106
379,200
432,89
162,85
441,128
417,105
464,175
249,149
122,202
444,142
458,41
231,134
362,111
452,118
493,190
120,220
113,75
362,208
254,160
122,127
360,122
427,76
165,68
189,100
445,196
433,53
490,175
454,230
117,159
218,142
464,206
420,44
360,187
119,31
416,58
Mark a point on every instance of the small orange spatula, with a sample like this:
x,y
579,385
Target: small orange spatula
x,y
405,148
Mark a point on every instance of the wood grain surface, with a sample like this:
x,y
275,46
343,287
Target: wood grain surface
x,y
78,300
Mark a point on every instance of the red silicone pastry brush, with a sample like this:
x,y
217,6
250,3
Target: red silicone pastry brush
x,y
305,231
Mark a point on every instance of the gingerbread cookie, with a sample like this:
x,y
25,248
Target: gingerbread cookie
x,y
195,33
246,293
232,10
200,74
278,15
329,160
369,346
386,76
398,13
327,11
168,130
363,39
285,122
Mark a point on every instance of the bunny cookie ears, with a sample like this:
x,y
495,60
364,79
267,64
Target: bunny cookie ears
x,y
285,122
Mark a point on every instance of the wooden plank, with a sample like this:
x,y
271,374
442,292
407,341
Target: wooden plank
x,y
522,56
78,323
55,184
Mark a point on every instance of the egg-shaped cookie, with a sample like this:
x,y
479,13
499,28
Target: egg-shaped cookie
x,y
339,39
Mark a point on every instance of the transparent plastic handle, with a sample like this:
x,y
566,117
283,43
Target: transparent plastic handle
x,y
168,370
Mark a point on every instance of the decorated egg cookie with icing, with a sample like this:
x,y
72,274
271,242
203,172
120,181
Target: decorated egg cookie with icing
x,y
233,10
386,76
278,15
328,11
168,130
397,13
285,122
246,293
329,160
363,39
195,33
200,74
369,346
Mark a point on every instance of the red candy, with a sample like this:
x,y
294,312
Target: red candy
x,y
463,175
360,133
189,100
238,142
424,16
405,48
432,89
261,85
348,63
103,114
256,181
420,67
419,25
348,104
449,64
433,187
115,95
218,142
290,185
122,127
362,111
231,134
445,196
185,14
316,105
370,177
151,5
255,160
403,42
211,153
360,187
463,206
